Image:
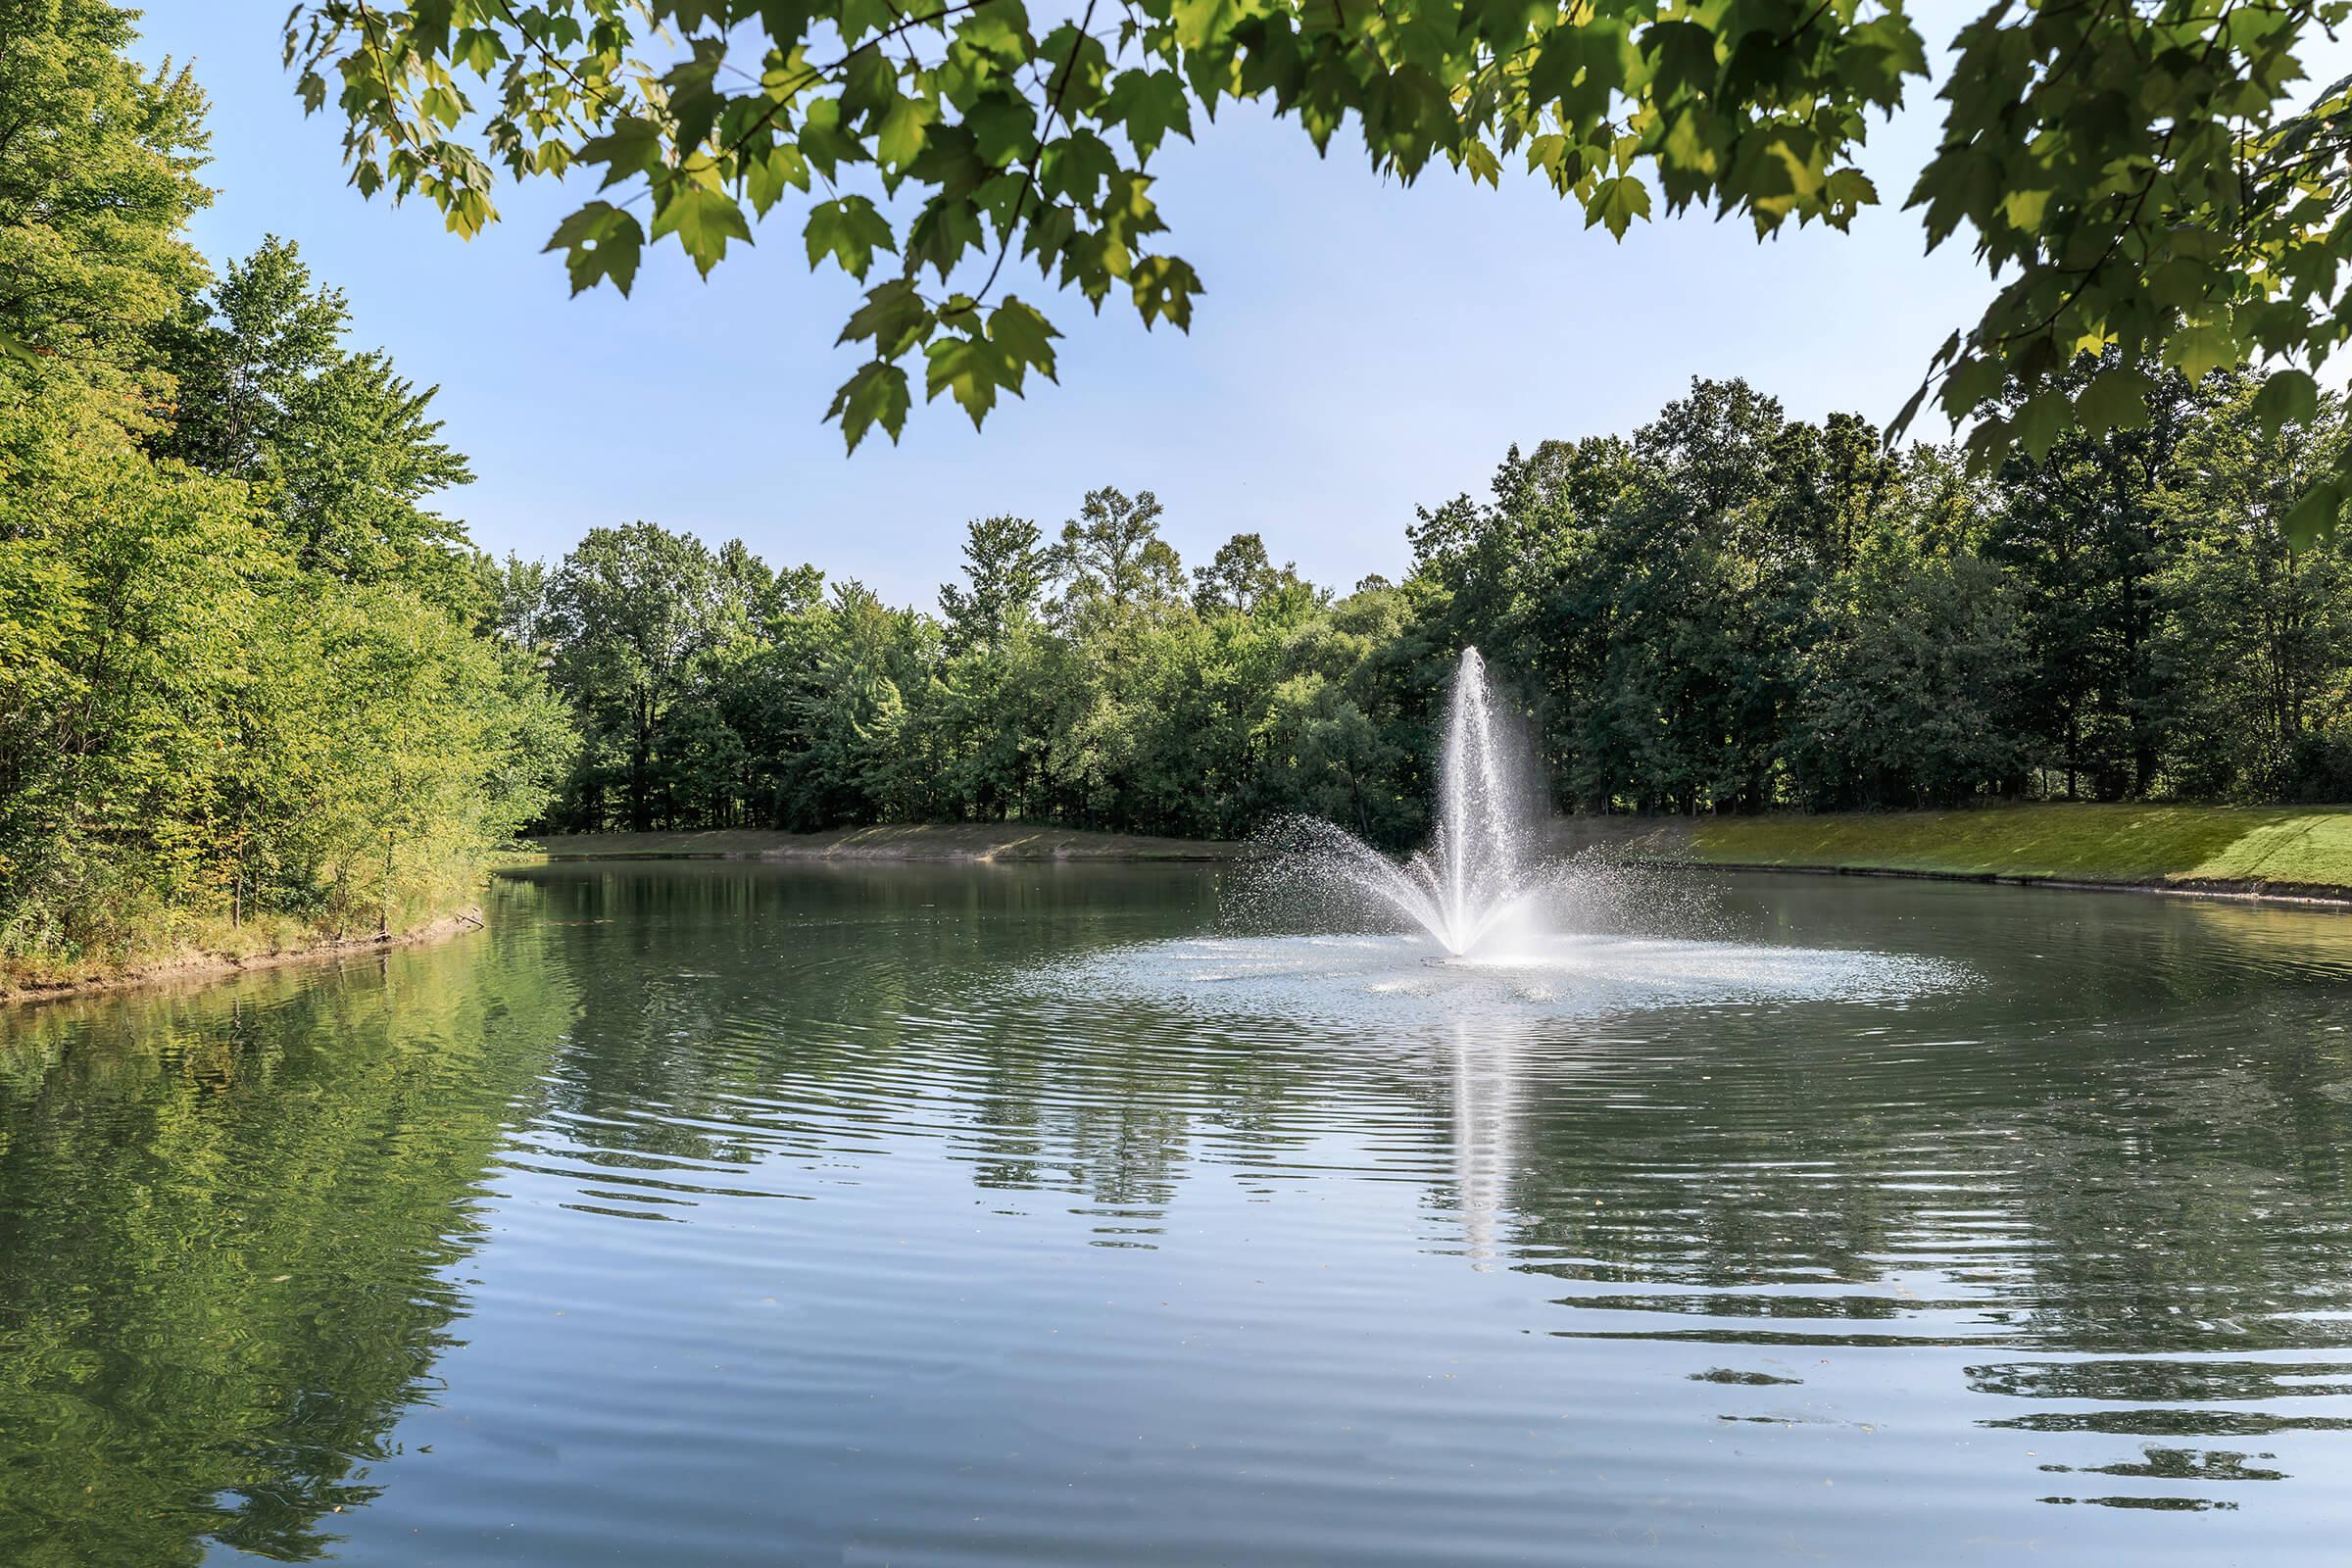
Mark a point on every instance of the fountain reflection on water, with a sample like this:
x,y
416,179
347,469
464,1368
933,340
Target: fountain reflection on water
x,y
1486,1105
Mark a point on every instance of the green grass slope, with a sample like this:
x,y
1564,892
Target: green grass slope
x,y
2307,846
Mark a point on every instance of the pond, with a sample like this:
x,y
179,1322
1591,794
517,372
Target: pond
x,y
728,1213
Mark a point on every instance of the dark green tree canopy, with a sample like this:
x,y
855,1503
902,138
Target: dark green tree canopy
x,y
1114,555
1007,568
1726,609
2138,176
1240,577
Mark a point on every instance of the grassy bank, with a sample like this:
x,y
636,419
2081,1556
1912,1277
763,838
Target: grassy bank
x,y
2193,848
2218,849
945,841
204,950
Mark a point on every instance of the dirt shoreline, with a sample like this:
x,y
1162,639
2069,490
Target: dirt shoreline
x,y
202,968
984,843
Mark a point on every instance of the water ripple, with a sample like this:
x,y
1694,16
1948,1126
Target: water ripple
x,y
729,1215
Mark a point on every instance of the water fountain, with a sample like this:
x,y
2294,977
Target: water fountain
x,y
1486,933
1479,886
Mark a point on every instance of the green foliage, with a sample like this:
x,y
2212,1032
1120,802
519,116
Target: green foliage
x,y
2080,532
241,686
1242,579
628,615
1735,611
943,143
1075,682
2139,181
1114,557
1007,570
2136,180
1911,694
200,728
336,445
2253,626
98,165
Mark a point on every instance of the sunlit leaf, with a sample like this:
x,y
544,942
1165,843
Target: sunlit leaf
x,y
877,394
600,242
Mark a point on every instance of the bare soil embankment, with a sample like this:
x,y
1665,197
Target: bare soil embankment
x,y
1012,842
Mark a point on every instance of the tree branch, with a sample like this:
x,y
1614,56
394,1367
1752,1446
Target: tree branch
x,y
1062,83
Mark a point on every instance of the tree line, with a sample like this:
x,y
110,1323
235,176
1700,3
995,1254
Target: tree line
x,y
1727,611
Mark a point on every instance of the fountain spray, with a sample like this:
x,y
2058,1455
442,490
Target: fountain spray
x,y
1480,874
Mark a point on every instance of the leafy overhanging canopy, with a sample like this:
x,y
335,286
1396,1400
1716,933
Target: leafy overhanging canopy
x,y
2134,175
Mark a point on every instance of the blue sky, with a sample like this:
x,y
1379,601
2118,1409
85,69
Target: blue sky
x,y
1362,347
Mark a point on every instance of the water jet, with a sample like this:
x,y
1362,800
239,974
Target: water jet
x,y
1484,872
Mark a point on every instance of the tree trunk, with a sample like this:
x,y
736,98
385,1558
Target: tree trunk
x,y
641,755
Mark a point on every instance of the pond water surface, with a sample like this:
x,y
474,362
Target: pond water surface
x,y
718,1213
